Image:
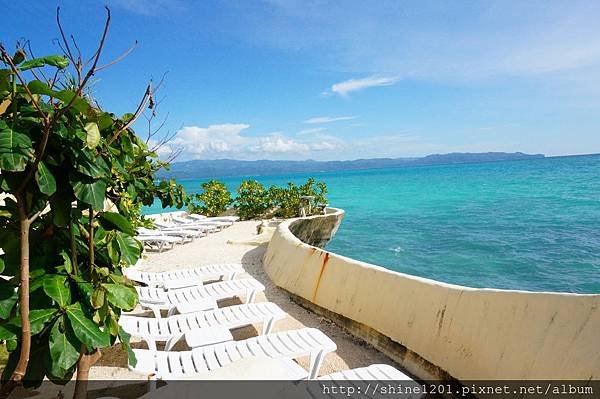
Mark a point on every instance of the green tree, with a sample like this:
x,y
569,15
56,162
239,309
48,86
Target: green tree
x,y
252,200
76,177
213,201
287,200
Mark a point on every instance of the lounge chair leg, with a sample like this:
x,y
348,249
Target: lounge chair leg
x,y
171,311
268,325
316,359
250,296
150,342
156,311
172,341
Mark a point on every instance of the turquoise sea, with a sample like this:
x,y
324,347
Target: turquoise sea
x,y
529,225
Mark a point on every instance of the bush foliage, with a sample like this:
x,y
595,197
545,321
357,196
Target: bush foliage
x,y
255,201
213,201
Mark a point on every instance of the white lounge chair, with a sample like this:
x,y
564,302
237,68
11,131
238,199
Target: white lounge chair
x,y
184,277
171,226
157,299
374,372
159,242
185,235
173,328
354,379
287,344
194,216
203,222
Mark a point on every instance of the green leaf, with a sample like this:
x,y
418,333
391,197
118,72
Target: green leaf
x,y
124,337
79,104
116,221
60,203
98,298
55,288
129,247
2,260
11,345
85,329
9,331
19,56
8,298
52,60
64,348
39,87
93,135
90,192
37,319
16,149
85,289
67,264
92,166
45,179
122,296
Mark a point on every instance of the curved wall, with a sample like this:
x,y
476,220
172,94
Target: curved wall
x,y
436,329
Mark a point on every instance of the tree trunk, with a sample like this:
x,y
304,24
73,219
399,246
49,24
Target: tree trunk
x,y
21,368
19,372
86,361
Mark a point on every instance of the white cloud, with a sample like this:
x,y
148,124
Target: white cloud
x,y
312,131
230,141
347,86
328,119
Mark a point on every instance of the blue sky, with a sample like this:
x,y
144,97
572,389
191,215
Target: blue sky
x,y
328,80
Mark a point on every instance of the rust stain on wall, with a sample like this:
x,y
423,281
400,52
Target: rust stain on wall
x,y
325,260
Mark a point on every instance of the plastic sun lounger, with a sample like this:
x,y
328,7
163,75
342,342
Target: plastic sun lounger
x,y
187,222
376,372
164,226
198,297
186,235
159,241
232,219
185,277
287,344
173,328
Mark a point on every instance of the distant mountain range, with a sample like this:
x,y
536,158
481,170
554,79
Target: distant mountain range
x,y
229,167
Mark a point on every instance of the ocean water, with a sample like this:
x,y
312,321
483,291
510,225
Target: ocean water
x,y
529,225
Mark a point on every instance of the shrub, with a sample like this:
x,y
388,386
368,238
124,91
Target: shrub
x,y
214,200
288,200
252,200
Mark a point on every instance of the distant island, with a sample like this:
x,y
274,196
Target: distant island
x,y
229,167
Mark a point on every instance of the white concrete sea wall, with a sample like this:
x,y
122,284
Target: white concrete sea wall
x,y
443,329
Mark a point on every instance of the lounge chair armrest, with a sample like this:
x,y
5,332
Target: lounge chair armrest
x,y
197,306
207,336
173,284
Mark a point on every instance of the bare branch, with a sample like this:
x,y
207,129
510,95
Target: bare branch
x,y
125,54
138,112
91,71
78,51
64,38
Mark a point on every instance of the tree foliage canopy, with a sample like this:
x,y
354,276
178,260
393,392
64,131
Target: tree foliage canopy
x,y
75,178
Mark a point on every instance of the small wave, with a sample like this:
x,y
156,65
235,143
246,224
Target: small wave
x,y
397,249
